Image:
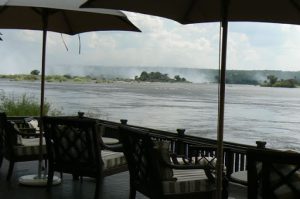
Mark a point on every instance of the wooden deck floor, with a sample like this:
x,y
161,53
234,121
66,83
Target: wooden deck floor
x,y
114,187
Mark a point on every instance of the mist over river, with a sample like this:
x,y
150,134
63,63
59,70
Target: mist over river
x,y
251,112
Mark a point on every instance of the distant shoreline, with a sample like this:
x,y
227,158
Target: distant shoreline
x,y
76,79
152,77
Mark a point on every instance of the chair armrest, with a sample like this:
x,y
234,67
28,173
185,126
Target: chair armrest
x,y
27,130
114,147
26,135
118,147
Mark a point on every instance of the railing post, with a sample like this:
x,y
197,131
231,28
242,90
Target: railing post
x,y
180,132
123,121
261,144
80,114
229,162
180,147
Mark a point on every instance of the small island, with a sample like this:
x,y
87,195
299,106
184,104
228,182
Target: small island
x,y
272,81
158,77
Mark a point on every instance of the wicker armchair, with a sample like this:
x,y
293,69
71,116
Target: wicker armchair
x,y
273,174
72,146
154,175
18,145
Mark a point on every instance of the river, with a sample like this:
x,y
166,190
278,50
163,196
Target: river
x,y
251,112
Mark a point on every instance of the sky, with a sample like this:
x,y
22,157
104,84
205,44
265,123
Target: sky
x,y
163,43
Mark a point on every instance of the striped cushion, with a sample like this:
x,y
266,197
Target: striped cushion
x,y
188,181
112,159
29,146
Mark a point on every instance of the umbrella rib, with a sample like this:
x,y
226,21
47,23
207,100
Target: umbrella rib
x,y
296,4
3,8
185,16
36,10
71,32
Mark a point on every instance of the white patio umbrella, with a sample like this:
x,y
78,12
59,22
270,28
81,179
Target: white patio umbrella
x,y
200,11
62,17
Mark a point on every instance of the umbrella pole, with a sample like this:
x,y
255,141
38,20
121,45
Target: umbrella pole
x,y
220,152
39,179
45,26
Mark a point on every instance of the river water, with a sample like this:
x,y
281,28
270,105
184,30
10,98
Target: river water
x,y
251,112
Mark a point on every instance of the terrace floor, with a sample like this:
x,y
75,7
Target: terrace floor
x,y
114,187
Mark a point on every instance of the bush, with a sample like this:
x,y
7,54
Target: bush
x,y
35,72
24,105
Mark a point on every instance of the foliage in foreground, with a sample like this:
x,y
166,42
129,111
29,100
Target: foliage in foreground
x,y
24,105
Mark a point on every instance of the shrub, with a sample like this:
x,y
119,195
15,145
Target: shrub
x,y
24,105
35,72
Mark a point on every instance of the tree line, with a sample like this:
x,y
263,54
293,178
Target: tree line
x,y
158,77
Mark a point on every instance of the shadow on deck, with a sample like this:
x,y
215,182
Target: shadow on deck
x,y
114,187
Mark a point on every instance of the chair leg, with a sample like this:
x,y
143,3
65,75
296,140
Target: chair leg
x,y
75,176
50,178
132,193
10,170
1,160
225,187
99,181
46,163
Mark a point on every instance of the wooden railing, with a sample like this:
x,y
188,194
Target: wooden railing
x,y
235,158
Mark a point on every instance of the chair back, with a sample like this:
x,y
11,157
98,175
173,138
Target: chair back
x,y
2,139
72,145
8,136
142,161
273,174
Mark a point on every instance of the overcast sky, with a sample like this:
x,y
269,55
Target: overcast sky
x,y
162,43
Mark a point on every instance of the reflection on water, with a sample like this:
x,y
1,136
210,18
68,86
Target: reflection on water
x,y
251,113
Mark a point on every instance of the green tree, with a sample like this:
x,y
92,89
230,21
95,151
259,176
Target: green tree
x,y
35,72
144,76
177,78
272,79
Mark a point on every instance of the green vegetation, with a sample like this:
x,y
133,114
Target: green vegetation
x,y
272,81
238,77
158,77
35,72
24,105
61,78
250,77
20,77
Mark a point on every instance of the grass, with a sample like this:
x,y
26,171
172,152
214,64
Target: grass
x,y
24,105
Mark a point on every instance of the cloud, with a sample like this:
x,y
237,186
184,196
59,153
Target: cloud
x,y
162,43
99,41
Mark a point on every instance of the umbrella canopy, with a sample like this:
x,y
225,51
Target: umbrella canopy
x,y
62,17
198,11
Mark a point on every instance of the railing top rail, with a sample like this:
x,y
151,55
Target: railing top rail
x,y
235,147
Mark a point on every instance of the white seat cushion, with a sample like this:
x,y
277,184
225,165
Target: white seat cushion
x,y
188,181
